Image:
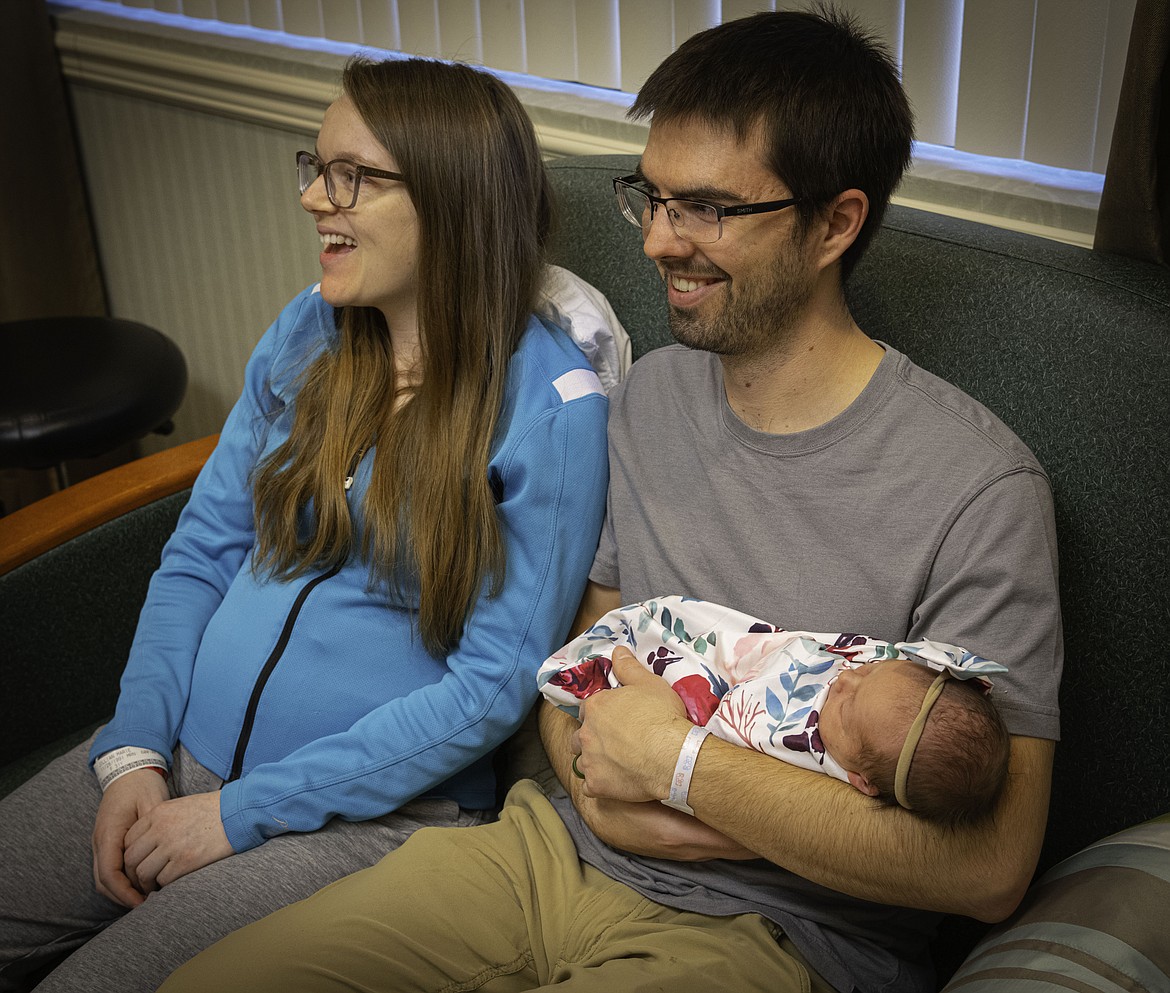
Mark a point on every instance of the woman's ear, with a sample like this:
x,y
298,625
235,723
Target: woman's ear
x,y
843,219
860,782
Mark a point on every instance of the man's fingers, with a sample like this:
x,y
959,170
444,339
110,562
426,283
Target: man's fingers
x,y
628,669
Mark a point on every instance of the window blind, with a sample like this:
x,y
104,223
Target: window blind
x,y
1036,80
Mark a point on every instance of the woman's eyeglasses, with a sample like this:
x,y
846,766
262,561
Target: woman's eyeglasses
x,y
343,179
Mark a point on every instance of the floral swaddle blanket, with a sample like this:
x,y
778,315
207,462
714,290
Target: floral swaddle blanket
x,y
751,682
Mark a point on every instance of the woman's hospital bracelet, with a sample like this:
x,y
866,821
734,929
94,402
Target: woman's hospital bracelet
x,y
117,763
680,782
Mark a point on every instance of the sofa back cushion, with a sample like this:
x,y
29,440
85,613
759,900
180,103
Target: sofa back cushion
x,y
74,610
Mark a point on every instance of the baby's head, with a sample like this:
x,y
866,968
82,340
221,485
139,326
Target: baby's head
x,y
956,770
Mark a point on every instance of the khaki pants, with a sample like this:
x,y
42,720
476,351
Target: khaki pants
x,y
503,907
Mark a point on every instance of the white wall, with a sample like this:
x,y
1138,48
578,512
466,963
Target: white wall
x,y
200,233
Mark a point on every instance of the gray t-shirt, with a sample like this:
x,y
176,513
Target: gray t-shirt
x,y
915,513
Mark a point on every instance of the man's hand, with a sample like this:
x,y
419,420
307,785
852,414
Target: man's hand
x,y
630,736
126,800
634,821
655,831
173,839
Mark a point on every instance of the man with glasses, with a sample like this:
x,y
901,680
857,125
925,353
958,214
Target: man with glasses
x,y
780,461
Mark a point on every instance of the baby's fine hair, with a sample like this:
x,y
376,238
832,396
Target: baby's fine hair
x,y
960,766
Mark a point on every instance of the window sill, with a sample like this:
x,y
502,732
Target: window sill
x,y
262,78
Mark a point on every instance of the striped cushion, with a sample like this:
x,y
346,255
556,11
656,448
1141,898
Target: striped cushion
x,y
1095,922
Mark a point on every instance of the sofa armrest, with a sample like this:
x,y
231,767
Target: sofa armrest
x,y
33,530
74,570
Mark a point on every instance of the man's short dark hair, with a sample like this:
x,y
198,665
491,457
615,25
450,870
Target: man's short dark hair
x,y
826,95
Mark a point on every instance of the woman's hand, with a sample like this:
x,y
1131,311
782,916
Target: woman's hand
x,y
125,801
173,839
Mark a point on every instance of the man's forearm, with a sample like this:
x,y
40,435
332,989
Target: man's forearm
x,y
556,728
832,834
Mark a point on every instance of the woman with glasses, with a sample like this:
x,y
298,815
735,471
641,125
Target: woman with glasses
x,y
384,546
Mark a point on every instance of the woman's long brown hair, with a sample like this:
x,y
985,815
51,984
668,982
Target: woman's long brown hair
x,y
475,176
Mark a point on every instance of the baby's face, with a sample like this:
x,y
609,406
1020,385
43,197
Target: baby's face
x,y
858,707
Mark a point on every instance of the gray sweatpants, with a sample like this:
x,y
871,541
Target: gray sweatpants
x,y
49,907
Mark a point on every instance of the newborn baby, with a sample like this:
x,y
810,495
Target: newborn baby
x,y
907,722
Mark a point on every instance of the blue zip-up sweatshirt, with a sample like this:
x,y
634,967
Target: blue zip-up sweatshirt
x,y
349,715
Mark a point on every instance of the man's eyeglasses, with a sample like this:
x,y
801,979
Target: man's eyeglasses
x,y
343,179
693,220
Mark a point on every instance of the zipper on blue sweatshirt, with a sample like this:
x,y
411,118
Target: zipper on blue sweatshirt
x,y
269,666
290,621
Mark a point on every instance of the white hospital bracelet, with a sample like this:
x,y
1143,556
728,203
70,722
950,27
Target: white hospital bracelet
x,y
117,763
680,782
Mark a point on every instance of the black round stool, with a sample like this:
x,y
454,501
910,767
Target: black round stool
x,y
76,387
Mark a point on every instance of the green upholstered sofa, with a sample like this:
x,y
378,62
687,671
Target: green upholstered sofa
x,y
1070,347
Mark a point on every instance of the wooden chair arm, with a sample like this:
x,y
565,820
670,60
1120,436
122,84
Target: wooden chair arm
x,y
47,523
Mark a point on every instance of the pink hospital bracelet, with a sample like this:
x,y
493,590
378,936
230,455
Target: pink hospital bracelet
x,y
680,782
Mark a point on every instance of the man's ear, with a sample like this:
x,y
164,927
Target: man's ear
x,y
843,219
860,782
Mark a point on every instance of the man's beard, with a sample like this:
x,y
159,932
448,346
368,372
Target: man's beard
x,y
751,321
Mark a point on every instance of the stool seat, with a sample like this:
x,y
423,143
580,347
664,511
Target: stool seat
x,y
76,387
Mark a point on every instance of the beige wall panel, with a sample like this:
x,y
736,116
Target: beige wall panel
x,y
200,235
